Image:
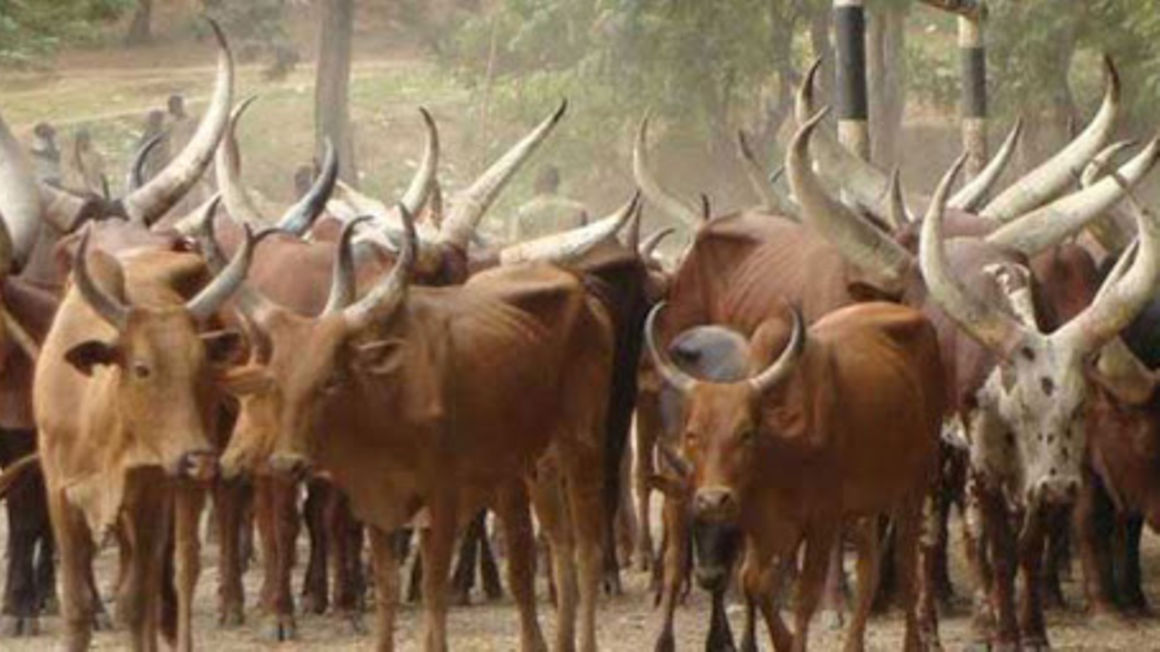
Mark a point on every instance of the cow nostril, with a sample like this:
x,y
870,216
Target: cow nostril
x,y
1053,472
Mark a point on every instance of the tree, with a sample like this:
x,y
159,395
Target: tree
x,y
139,29
32,30
331,88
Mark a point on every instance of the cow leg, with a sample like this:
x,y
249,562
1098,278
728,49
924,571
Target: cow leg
x,y
489,569
720,638
1133,593
437,544
931,553
866,540
547,493
589,521
1032,543
516,523
463,579
1057,556
314,597
46,562
189,504
626,523
78,595
1094,518
278,528
820,545
675,557
386,569
758,584
346,533
645,436
230,498
27,517
908,523
1002,549
977,554
834,590
147,530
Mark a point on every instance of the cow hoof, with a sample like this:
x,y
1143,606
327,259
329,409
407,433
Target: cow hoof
x,y
832,620
102,622
358,626
19,626
665,642
612,584
313,604
281,629
231,617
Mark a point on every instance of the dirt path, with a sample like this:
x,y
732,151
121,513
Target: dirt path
x,y
627,623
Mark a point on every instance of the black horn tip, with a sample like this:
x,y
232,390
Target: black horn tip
x,y
218,33
560,111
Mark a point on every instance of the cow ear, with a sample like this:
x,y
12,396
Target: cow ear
x,y
90,353
224,346
242,381
380,357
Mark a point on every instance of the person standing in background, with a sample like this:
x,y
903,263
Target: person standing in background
x,y
45,154
159,156
86,169
548,211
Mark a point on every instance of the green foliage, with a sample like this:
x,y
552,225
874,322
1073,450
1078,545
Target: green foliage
x,y
254,26
31,30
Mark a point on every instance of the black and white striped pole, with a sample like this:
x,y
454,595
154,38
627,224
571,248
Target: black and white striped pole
x,y
852,105
974,64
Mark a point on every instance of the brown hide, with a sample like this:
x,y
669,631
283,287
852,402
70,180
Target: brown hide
x,y
742,266
33,307
820,445
1124,451
148,410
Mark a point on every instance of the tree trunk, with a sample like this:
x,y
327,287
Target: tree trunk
x,y
886,77
331,89
140,31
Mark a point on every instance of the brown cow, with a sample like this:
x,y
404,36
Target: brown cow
x,y
122,396
431,361
783,458
305,293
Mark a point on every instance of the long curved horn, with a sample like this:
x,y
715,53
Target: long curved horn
x,y
785,363
298,219
1050,178
1101,162
146,204
422,182
388,294
107,306
865,183
205,303
136,176
989,326
974,191
470,204
565,247
1047,226
632,237
642,172
860,242
897,214
670,373
228,168
6,250
342,282
19,195
650,243
1118,304
759,179
251,303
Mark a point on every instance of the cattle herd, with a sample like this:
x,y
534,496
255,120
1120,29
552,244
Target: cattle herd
x,y
826,368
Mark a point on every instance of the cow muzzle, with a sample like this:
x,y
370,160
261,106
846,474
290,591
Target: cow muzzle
x,y
716,505
200,466
291,464
715,547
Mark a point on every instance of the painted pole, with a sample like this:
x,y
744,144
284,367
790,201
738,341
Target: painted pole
x,y
973,54
852,105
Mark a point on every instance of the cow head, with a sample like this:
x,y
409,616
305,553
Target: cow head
x,y
725,437
1038,388
304,365
159,364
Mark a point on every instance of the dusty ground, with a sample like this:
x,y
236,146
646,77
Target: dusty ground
x,y
626,623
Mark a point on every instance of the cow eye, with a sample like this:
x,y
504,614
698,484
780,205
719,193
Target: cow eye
x,y
141,370
749,436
